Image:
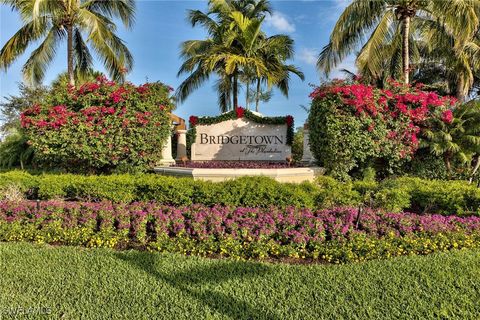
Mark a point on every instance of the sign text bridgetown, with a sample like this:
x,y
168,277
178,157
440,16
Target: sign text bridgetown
x,y
240,139
223,139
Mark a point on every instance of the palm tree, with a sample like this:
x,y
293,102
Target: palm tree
x,y
237,51
441,61
389,23
275,50
458,140
89,75
57,20
217,21
460,60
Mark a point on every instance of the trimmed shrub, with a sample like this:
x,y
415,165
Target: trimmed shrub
x,y
25,182
247,191
334,193
395,195
58,186
264,192
354,126
116,188
168,190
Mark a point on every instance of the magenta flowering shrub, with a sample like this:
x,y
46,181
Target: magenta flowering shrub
x,y
100,126
240,232
354,125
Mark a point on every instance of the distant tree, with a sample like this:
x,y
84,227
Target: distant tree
x,y
15,150
297,145
13,105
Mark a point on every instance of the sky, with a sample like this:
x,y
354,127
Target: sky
x,y
161,26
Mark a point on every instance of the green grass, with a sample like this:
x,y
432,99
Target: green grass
x,y
106,284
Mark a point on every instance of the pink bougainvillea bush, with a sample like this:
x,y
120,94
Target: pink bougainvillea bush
x,y
354,125
336,235
100,126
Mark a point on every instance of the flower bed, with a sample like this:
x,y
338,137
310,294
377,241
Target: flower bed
x,y
338,235
238,165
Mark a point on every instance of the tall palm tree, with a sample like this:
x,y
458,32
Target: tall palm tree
x,y
217,21
237,51
440,59
70,20
274,51
389,25
460,59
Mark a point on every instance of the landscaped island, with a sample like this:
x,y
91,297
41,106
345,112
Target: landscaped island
x,y
360,200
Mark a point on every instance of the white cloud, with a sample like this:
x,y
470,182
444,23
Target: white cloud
x,y
280,22
309,56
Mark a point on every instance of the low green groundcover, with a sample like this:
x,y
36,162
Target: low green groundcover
x,y
74,283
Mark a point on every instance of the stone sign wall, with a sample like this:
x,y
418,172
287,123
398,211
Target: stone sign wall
x,y
240,139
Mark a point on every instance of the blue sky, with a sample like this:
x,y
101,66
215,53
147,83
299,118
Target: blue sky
x,y
161,27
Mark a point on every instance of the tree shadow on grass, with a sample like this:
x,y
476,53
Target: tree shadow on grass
x,y
216,272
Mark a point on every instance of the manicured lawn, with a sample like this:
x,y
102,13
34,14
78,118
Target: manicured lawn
x,y
101,283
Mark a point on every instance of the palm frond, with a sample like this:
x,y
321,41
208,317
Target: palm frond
x,y
19,42
35,67
83,58
355,21
125,9
191,83
108,46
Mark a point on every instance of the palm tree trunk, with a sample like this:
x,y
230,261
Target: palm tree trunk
x,y
475,169
448,164
71,79
247,94
230,94
235,90
460,95
257,97
405,48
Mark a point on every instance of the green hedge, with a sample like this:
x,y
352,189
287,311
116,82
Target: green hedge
x,y
402,194
399,194
248,191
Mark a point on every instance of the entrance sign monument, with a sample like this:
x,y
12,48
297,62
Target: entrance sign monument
x,y
238,135
241,139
